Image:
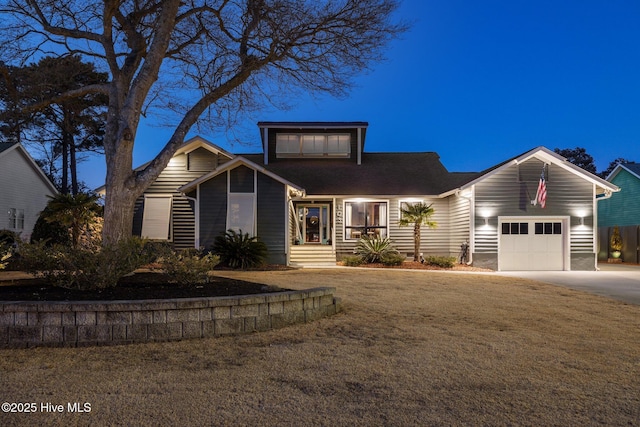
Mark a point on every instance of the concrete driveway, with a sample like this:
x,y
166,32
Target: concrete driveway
x,y
621,282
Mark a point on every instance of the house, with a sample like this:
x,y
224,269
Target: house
x,y
314,191
25,191
623,210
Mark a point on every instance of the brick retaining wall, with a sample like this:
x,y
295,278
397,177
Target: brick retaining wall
x,y
71,324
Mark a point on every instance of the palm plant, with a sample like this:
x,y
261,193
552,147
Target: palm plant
x,y
238,250
75,212
417,214
375,249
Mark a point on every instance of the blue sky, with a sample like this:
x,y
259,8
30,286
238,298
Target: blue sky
x,y
480,82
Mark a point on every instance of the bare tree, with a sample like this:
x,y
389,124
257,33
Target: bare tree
x,y
203,58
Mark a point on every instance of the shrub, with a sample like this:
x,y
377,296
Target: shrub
x,y
352,261
4,256
50,232
8,241
82,268
189,266
441,261
238,250
393,259
375,249
8,238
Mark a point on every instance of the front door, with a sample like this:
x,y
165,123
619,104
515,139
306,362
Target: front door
x,y
314,224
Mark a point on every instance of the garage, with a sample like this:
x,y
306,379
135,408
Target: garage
x,y
532,244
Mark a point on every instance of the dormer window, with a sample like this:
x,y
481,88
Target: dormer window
x,y
313,145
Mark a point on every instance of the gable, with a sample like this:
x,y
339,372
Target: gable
x,y
548,157
14,156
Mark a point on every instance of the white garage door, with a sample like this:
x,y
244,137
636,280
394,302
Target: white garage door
x,y
531,244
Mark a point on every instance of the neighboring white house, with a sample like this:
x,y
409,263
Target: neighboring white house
x,y
24,190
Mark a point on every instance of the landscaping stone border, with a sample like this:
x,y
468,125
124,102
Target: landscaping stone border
x,y
87,323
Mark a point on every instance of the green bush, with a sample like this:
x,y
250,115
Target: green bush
x,y
375,249
51,233
8,238
238,250
352,261
441,261
189,266
393,259
4,256
81,268
8,241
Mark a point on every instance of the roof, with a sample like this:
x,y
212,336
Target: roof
x,y
632,168
313,125
5,146
230,165
379,174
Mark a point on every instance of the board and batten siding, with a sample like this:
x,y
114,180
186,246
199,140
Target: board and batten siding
x,y
509,193
176,174
433,241
272,218
212,198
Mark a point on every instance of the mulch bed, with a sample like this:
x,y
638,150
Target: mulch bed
x,y
412,265
155,285
140,286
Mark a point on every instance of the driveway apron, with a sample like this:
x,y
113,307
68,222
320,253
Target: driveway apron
x,y
621,282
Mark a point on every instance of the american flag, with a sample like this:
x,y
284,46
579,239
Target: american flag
x,y
541,194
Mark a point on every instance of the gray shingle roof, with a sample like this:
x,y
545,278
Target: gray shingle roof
x,y
633,167
379,174
5,146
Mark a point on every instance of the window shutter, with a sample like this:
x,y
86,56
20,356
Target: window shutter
x,y
156,218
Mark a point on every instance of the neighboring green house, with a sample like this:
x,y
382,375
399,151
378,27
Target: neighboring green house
x,y
24,193
623,210
314,190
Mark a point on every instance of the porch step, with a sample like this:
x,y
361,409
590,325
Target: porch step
x,y
312,255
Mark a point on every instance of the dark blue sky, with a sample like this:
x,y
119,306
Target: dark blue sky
x,y
480,82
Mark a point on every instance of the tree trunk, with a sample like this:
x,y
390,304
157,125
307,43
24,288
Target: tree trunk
x,y
118,209
416,242
65,164
73,167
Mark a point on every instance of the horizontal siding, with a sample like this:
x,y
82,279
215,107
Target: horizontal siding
x,y
170,179
623,207
23,189
433,241
459,220
505,194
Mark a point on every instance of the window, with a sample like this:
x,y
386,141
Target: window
x,y
156,218
16,219
365,219
515,228
338,145
313,145
240,213
548,228
287,145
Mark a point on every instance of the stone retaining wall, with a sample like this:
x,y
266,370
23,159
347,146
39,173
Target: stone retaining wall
x,y
71,324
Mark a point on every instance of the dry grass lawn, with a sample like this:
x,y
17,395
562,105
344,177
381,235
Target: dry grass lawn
x,y
410,348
